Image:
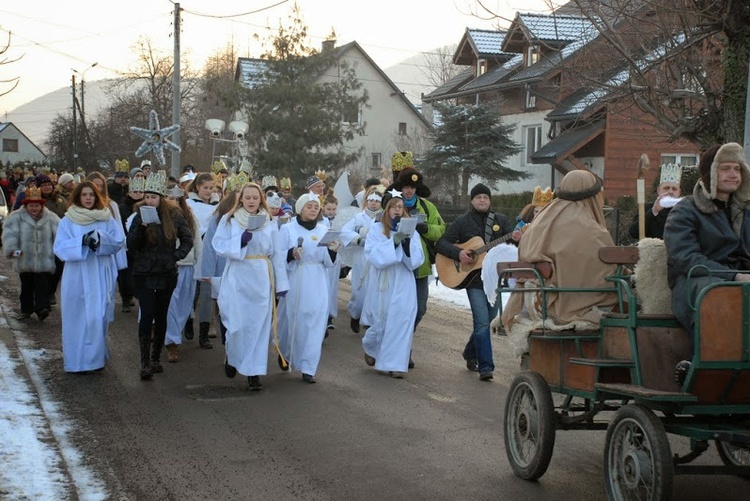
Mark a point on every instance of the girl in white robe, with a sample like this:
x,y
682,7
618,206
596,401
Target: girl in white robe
x,y
87,240
254,273
392,293
303,313
360,225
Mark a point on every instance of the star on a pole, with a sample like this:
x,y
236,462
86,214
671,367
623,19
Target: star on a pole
x,y
155,138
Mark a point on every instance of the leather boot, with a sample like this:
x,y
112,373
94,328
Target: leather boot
x,y
188,330
146,371
156,346
203,336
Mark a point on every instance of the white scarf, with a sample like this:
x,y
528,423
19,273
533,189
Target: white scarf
x,y
241,216
83,216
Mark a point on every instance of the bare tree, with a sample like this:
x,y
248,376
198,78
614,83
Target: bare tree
x,y
438,65
12,82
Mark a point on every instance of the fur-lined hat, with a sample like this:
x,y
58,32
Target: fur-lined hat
x,y
713,157
410,177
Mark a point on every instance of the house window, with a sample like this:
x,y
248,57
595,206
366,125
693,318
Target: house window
x,y
10,145
530,98
376,160
481,66
532,141
532,55
683,160
402,128
351,113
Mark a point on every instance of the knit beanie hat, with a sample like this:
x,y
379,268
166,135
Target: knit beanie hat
x,y
480,189
304,199
65,179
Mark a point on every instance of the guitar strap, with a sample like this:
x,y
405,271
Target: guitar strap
x,y
488,227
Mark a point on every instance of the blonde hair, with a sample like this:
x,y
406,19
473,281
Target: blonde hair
x,y
238,203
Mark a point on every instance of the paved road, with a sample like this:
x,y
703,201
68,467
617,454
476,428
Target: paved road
x,y
191,433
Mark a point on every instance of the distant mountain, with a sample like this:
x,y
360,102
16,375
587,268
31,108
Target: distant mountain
x,y
34,118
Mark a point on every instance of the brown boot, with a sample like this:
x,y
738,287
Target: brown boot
x,y
173,354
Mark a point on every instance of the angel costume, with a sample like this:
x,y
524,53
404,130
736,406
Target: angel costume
x,y
568,234
252,276
360,224
303,313
391,299
88,284
181,303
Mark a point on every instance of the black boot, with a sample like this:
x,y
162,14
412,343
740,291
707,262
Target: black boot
x,y
146,371
203,336
188,330
156,347
254,383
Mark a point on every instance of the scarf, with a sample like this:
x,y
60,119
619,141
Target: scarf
x,y
241,216
372,213
82,216
308,225
410,203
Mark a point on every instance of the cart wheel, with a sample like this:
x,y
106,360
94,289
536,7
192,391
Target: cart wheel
x,y
529,425
637,458
732,455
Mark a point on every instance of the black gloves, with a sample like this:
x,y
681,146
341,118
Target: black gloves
x,y
246,237
422,228
91,240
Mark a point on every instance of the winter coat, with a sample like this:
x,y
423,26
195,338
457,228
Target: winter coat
x,y
435,230
698,233
472,224
654,224
155,266
56,203
34,238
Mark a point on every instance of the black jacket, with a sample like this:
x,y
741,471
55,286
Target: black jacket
x,y
117,192
471,224
654,224
155,266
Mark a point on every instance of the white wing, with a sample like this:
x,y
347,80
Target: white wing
x,y
503,253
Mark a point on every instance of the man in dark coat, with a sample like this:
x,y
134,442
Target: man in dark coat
x,y
481,222
711,228
656,213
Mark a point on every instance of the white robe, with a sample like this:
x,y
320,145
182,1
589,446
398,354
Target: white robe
x,y
360,266
252,275
201,210
392,299
181,302
87,291
303,313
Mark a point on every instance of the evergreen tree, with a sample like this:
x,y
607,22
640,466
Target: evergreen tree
x,y
471,141
297,111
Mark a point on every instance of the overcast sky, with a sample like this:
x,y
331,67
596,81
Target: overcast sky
x,y
52,37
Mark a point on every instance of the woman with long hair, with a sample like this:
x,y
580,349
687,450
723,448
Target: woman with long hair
x,y
303,313
87,240
360,224
392,294
255,272
202,200
156,247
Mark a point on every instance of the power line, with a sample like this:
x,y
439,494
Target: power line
x,y
229,16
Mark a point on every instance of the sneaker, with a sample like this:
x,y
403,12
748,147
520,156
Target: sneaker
x,y
173,354
369,360
330,323
485,376
283,364
354,324
229,370
472,364
308,378
42,314
254,383
681,370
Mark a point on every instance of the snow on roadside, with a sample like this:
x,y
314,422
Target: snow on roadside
x,y
32,467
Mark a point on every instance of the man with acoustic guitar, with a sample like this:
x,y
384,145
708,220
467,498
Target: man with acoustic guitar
x,y
480,222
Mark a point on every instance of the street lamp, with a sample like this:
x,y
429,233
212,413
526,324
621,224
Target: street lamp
x,y
83,84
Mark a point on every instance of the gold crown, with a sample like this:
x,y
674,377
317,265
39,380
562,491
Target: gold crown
x,y
122,166
237,181
217,166
670,173
285,184
156,182
321,174
402,160
33,193
542,198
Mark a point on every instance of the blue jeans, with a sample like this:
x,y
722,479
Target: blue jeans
x,y
423,290
479,347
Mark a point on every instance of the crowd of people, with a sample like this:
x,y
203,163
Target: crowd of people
x,y
225,249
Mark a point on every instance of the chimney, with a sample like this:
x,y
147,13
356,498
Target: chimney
x,y
330,42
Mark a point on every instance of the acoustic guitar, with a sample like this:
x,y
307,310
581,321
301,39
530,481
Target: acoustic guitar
x,y
455,274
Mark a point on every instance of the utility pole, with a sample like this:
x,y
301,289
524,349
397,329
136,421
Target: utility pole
x,y
176,92
747,115
75,131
